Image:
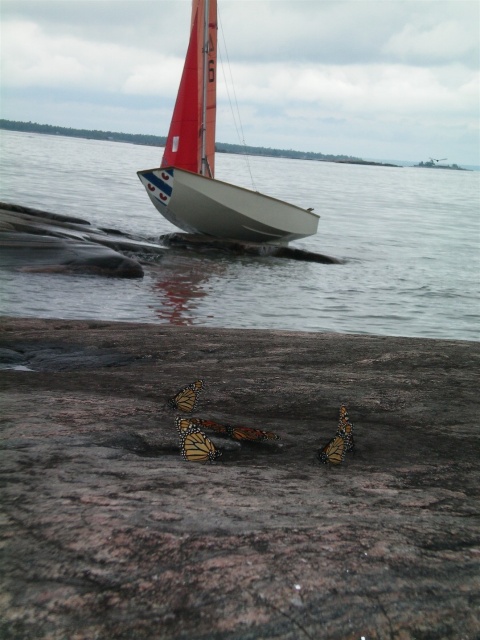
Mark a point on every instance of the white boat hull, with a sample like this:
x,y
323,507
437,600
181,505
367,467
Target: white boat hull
x,y
211,207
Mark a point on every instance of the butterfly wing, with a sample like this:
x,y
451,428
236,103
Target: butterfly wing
x,y
211,424
249,434
349,442
196,447
334,451
186,398
345,429
184,424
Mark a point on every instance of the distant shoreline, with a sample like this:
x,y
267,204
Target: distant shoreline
x,y
220,147
370,163
432,165
160,141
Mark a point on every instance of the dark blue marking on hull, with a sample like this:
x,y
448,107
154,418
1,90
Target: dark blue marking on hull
x,y
162,186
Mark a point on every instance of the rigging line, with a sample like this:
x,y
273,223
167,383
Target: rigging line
x,y
238,126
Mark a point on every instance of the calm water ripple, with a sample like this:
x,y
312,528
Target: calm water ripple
x,y
410,238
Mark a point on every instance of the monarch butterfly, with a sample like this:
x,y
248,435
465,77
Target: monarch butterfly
x,y
183,424
236,433
345,429
252,435
196,447
334,451
186,398
211,424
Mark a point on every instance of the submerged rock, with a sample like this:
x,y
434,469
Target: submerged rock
x,y
204,244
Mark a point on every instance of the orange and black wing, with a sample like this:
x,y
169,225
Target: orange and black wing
x,y
184,424
345,429
250,434
186,398
196,447
211,424
334,451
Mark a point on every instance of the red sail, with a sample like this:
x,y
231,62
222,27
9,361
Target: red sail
x,y
181,149
184,143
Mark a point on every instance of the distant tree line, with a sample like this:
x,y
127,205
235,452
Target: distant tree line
x,y
134,138
278,153
159,141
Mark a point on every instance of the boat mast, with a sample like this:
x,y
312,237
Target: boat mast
x,y
204,166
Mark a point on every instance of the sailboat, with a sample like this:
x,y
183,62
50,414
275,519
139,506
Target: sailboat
x,y
184,189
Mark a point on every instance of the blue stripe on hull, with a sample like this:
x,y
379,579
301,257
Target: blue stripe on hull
x,y
162,186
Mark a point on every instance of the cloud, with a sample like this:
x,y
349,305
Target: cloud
x,y
436,44
37,59
329,31
148,24
381,88
355,32
340,71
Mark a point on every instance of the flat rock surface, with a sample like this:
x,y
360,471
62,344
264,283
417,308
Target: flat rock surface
x,y
108,533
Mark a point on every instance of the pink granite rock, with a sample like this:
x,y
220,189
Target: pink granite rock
x,y
108,533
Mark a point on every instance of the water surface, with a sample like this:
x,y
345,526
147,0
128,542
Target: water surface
x,y
410,238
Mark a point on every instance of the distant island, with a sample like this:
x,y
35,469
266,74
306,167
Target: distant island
x,y
434,164
159,141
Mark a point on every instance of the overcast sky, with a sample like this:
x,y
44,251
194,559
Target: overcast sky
x,y
387,79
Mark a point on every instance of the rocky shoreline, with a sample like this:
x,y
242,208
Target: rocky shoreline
x,y
32,240
108,533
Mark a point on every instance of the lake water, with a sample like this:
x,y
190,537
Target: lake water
x,y
410,238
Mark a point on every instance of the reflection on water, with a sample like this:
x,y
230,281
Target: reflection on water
x,y
175,296
179,286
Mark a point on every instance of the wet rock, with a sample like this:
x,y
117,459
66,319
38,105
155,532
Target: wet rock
x,y
51,356
205,244
108,533
38,213
44,254
41,241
